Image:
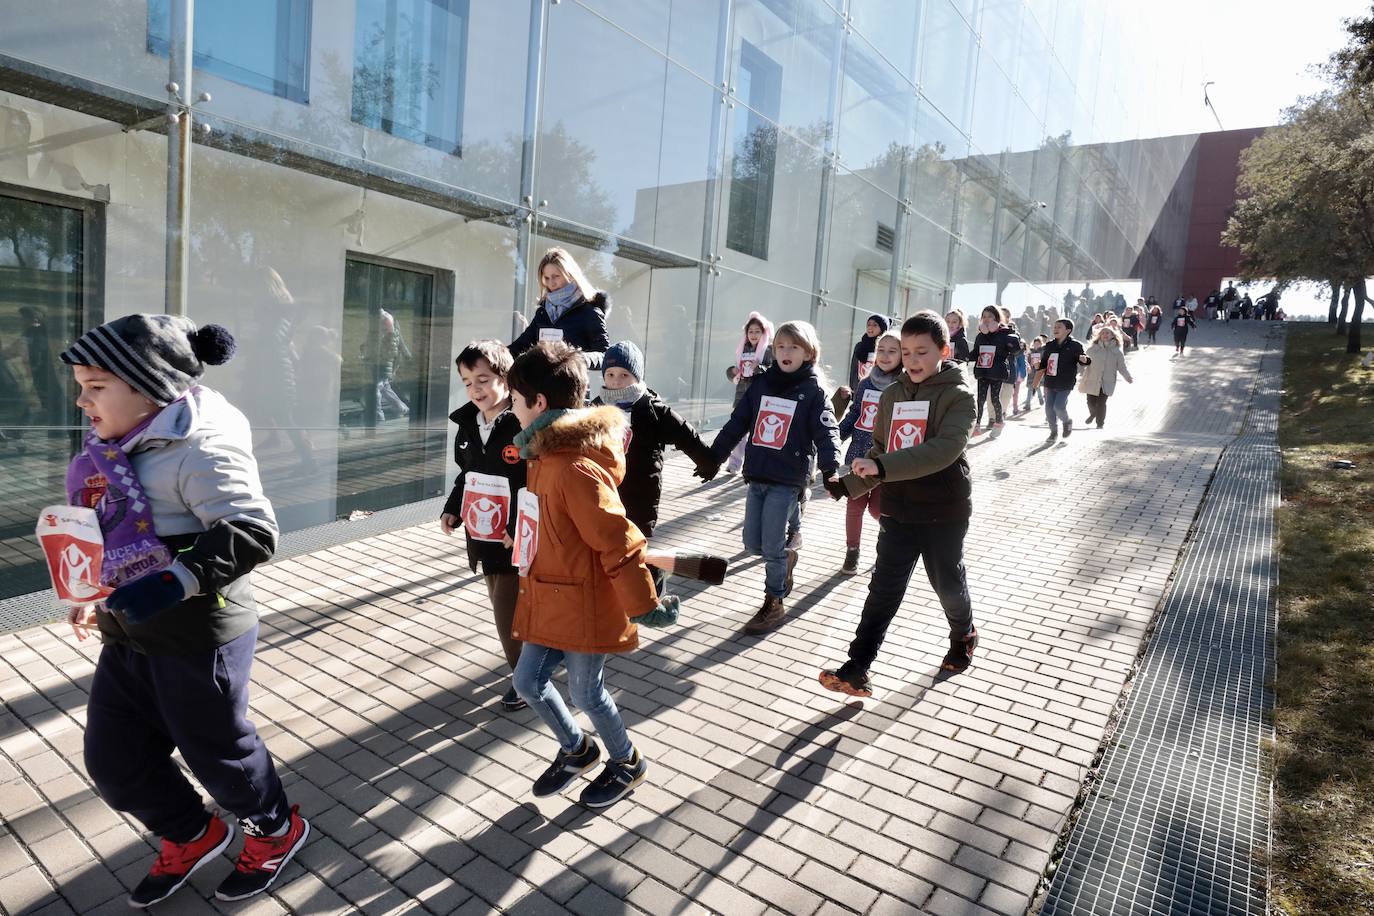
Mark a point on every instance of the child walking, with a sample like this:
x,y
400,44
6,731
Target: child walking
x,y
581,561
1153,321
992,367
752,357
857,426
168,467
1106,362
1034,360
653,426
1183,320
787,419
1059,362
917,455
490,474
958,336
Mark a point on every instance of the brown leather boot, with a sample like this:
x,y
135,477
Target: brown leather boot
x,y
768,617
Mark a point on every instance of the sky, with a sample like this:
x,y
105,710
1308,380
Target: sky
x,y
1258,53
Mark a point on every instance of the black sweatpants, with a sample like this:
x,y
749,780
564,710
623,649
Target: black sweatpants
x,y
900,545
143,707
1180,338
993,387
1097,408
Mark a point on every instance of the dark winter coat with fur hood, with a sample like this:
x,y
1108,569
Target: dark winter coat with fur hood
x,y
588,576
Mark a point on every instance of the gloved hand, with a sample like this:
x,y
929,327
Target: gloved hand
x,y
146,597
835,488
707,472
664,615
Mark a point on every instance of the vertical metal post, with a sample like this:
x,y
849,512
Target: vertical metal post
x,y
524,230
828,166
179,56
899,230
715,165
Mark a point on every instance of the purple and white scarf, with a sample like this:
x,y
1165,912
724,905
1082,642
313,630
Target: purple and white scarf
x,y
101,477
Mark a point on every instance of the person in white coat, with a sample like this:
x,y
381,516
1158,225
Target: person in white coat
x,y
1098,381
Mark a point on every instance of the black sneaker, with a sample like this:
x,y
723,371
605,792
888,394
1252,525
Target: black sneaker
x,y
851,561
176,861
512,701
263,858
1052,438
960,654
618,779
1068,429
565,768
791,565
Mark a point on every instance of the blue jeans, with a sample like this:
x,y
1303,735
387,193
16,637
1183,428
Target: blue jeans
x,y
1032,392
1057,408
769,509
587,688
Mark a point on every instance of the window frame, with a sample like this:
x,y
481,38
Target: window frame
x,y
761,112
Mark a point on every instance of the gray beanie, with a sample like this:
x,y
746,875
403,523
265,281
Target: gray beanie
x,y
160,356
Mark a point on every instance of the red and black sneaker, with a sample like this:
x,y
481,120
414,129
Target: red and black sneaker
x,y
176,861
263,858
960,654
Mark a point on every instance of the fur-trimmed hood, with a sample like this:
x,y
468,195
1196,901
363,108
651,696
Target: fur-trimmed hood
x,y
596,432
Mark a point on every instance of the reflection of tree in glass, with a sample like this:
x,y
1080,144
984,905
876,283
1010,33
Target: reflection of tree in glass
x,y
390,83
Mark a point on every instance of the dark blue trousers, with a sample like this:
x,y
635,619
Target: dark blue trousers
x,y
143,707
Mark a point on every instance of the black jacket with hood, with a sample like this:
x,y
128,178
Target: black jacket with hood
x,y
583,325
499,458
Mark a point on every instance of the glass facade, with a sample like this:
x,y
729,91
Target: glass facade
x,y
372,181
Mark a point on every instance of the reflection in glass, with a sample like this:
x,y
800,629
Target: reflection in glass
x,y
41,263
409,58
261,44
759,85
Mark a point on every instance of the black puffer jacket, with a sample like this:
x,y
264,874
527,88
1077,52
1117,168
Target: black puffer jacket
x,y
653,427
1005,345
499,458
583,326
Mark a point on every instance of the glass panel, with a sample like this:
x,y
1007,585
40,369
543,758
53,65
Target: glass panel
x,y
860,242
754,141
991,108
408,66
387,456
672,212
999,24
876,112
602,126
924,267
948,53
893,27
685,30
801,37
42,249
261,44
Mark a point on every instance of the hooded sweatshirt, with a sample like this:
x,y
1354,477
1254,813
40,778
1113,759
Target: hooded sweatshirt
x,y
927,481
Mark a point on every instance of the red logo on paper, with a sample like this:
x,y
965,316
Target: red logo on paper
x,y
51,520
485,515
908,427
773,422
73,564
985,355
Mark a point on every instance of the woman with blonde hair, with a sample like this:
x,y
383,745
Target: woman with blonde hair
x,y
570,310
1099,376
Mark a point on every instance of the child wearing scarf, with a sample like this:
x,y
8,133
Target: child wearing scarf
x,y
857,427
169,469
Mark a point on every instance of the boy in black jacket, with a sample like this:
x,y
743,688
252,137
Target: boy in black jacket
x,y
1183,320
653,427
1059,363
490,474
923,426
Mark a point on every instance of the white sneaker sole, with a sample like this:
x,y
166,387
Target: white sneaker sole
x,y
286,860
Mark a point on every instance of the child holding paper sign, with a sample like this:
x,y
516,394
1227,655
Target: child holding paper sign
x,y
923,425
490,473
787,418
168,467
857,427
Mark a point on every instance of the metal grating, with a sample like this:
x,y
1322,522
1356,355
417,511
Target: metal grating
x,y
1178,820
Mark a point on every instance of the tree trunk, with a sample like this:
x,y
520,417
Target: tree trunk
x,y
1345,307
1335,301
1352,343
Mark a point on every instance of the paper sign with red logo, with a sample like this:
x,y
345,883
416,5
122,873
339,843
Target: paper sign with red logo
x,y
1180,321
526,530
1052,367
550,334
868,411
908,426
486,506
865,369
985,356
746,367
73,546
1035,360
774,420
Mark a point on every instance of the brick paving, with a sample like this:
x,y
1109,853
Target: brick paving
x,y
379,676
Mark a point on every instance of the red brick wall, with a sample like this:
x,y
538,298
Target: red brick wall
x,y
1214,194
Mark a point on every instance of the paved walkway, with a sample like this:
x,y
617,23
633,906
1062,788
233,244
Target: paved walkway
x,y
378,681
